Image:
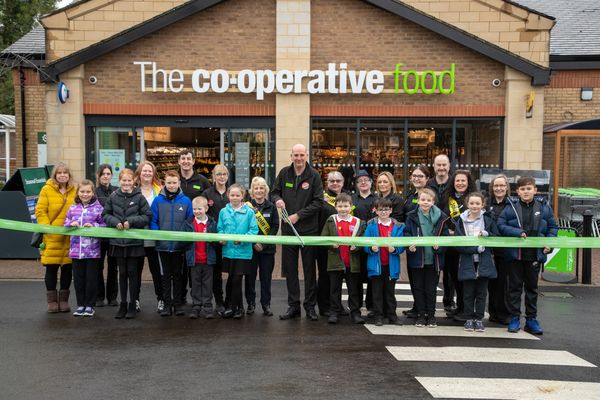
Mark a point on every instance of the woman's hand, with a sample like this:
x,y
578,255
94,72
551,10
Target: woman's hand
x,y
119,226
258,247
435,247
412,248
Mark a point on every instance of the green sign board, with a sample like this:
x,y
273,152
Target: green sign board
x,y
33,180
562,260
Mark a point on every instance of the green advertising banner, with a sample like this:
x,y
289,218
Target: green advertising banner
x,y
33,180
562,260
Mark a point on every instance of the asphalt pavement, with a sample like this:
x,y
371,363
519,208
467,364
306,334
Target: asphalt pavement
x,y
62,357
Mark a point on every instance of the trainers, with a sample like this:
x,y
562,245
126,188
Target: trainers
x,y
515,324
410,313
79,312
533,326
138,307
421,321
478,325
160,306
469,325
250,309
89,312
431,322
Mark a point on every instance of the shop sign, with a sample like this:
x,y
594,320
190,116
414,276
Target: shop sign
x,y
337,79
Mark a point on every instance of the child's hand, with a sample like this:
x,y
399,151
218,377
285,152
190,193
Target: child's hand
x,y
352,248
391,249
412,248
119,226
435,247
126,225
87,225
336,246
524,235
223,242
258,247
374,249
75,224
450,232
547,250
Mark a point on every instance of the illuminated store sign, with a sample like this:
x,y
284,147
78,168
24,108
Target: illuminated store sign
x,y
337,79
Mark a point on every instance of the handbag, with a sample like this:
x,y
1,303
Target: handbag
x,y
38,237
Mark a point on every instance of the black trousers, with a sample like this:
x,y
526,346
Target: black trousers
x,y
453,284
112,275
218,277
523,276
475,293
236,302
384,298
364,278
154,265
323,280
335,298
128,277
289,262
265,263
51,276
424,287
171,264
202,285
497,289
85,280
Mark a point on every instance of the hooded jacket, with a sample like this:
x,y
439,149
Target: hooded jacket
x,y
170,212
211,254
373,259
241,222
131,207
466,259
85,246
413,228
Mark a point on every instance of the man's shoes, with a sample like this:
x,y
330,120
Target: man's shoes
x,y
239,313
412,313
450,308
250,309
378,321
160,306
227,313
333,319
357,318
209,314
291,313
131,311
122,311
267,311
138,306
167,311
195,313
421,321
312,315
469,325
371,314
533,326
478,326
514,325
394,320
345,311
179,311
431,322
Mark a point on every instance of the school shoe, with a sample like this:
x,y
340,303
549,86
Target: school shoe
x,y
138,306
89,312
345,311
291,313
412,313
179,311
469,325
79,312
52,299
195,313
533,326
267,311
167,311
450,308
357,318
478,326
208,314
130,311
250,309
378,321
238,314
227,313
312,315
431,322
421,321
122,311
514,325
332,319
160,306
394,320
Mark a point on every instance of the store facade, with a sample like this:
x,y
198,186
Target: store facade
x,y
378,85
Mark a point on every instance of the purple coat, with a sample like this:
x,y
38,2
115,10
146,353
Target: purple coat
x,y
84,246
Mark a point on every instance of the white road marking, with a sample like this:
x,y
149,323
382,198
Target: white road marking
x,y
448,331
402,297
399,286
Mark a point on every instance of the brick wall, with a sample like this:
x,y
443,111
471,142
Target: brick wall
x,y
562,97
35,117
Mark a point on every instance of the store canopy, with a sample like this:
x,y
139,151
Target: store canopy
x,y
590,124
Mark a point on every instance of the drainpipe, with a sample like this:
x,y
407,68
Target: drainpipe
x,y
23,125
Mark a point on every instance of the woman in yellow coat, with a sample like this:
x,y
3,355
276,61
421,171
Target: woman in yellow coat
x,y
54,201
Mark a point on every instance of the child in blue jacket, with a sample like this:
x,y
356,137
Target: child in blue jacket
x,y
237,218
526,217
475,263
170,212
383,262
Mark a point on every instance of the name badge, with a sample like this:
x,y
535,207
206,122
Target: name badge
x,y
197,187
267,215
288,184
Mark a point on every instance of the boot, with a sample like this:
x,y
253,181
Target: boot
x,y
63,300
131,311
122,311
52,298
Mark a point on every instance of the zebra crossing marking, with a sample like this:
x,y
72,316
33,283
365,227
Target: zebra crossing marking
x,y
399,286
501,388
401,297
488,355
448,331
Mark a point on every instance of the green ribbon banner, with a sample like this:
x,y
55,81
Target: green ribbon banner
x,y
445,241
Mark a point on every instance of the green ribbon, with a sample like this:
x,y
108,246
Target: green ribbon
x,y
444,241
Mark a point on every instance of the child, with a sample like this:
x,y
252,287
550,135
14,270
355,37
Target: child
x,y
237,218
127,208
84,250
526,217
383,263
201,259
426,261
170,212
343,262
476,264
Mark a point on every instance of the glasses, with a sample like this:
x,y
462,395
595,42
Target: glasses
x,y
384,209
334,180
364,180
418,176
221,174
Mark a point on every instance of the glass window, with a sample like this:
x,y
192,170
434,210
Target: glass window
x,y
119,147
334,148
382,148
427,139
249,152
478,145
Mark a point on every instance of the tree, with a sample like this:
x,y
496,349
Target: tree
x,y
17,17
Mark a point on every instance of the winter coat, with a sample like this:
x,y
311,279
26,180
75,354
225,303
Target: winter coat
x,y
216,201
397,206
211,254
85,246
131,207
50,202
494,210
103,192
413,228
269,212
334,258
241,222
510,224
410,201
373,259
466,265
194,186
302,196
171,215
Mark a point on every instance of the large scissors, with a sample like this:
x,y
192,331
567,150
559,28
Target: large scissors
x,y
286,218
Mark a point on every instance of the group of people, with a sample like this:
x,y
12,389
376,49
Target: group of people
x,y
445,204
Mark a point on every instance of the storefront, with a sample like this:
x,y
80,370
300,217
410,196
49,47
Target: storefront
x,y
370,84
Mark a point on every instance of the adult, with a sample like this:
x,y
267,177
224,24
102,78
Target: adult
x,y
441,169
363,201
418,179
499,194
57,195
333,187
386,189
192,184
347,171
147,180
104,189
460,184
299,190
217,200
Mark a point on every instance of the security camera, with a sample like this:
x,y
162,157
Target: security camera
x,y
496,82
93,80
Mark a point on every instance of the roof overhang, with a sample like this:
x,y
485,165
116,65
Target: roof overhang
x,y
564,62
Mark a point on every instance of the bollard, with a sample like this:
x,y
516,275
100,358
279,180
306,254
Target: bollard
x,y
586,270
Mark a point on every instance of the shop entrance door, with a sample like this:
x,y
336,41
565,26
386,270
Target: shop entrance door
x,y
248,152
118,147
